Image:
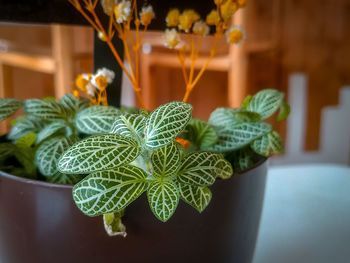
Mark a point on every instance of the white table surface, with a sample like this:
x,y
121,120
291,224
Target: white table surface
x,y
306,215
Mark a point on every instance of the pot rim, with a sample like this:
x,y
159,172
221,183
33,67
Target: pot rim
x,y
70,186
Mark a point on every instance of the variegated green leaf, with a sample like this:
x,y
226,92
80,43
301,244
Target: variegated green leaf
x,y
196,196
70,103
73,104
60,178
201,133
163,198
165,123
224,169
200,168
130,125
266,102
8,107
110,190
239,135
268,144
22,128
57,127
222,117
166,160
242,115
99,152
48,153
241,159
45,109
283,112
96,119
227,117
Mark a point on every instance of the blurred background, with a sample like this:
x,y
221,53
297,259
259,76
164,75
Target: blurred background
x,y
292,45
300,47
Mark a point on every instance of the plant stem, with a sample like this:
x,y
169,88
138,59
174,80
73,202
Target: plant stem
x,y
97,25
183,67
192,59
192,84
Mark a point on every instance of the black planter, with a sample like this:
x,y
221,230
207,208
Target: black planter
x,y
39,223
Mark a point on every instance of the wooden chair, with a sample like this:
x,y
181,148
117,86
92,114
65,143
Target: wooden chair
x,y
57,61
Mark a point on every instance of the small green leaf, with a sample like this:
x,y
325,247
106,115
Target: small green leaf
x,y
60,178
130,110
246,101
130,125
266,102
73,104
133,110
283,112
14,121
222,117
144,112
196,196
200,168
70,102
242,115
24,127
201,133
241,159
45,109
165,123
166,160
8,107
57,127
99,152
268,144
226,117
239,135
113,224
96,119
25,153
7,150
224,169
26,141
48,153
163,198
110,190
50,98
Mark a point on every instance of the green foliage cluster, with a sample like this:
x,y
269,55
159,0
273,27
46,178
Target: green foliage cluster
x,y
241,134
136,154
39,136
119,154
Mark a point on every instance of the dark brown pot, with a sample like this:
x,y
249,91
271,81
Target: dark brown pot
x,y
39,223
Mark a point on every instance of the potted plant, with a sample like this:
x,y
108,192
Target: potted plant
x,y
124,161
